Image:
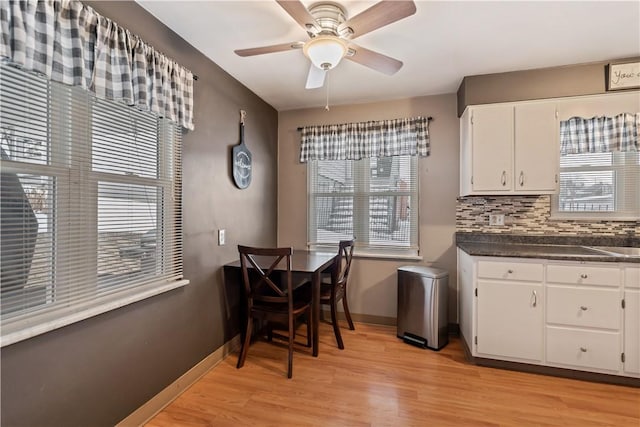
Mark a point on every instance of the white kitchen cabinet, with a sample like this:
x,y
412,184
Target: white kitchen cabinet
x,y
563,314
583,316
509,310
579,273
592,350
632,321
509,148
466,303
510,319
583,307
491,132
536,148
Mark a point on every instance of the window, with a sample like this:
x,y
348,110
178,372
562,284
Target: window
x,y
90,202
374,200
599,186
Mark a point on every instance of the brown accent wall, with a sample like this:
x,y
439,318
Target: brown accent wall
x,y
373,287
98,371
553,82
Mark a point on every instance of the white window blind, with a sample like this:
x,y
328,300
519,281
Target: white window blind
x,y
599,186
91,208
374,200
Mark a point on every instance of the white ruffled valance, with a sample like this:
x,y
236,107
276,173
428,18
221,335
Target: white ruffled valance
x,y
355,141
600,134
70,43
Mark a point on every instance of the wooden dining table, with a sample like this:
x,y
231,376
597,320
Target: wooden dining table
x,y
303,262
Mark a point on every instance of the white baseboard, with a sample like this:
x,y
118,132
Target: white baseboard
x,y
147,411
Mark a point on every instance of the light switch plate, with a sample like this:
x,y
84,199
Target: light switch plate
x,y
221,237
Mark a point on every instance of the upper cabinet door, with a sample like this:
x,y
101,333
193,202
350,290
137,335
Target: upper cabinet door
x,y
492,148
537,148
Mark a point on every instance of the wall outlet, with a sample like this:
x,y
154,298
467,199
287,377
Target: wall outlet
x,y
221,237
496,219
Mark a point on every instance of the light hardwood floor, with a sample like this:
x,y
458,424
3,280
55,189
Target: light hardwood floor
x,y
377,380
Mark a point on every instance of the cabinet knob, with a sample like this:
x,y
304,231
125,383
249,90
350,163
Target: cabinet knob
x,y
583,308
510,271
583,276
583,349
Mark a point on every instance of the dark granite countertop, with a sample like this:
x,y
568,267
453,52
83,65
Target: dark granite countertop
x,y
569,248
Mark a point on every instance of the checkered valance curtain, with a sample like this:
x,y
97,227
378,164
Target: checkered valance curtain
x,y
355,141
600,134
70,43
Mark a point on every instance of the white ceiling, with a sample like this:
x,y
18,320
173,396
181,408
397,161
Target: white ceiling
x,y
439,45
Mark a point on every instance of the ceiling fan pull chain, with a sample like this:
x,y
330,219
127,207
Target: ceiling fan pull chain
x,y
326,107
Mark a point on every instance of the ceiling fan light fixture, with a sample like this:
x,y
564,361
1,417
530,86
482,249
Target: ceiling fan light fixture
x,y
325,52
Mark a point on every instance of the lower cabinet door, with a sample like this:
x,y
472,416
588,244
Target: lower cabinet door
x,y
579,348
632,331
510,323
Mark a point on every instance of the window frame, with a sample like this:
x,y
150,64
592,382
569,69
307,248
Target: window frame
x,y
73,177
361,172
621,167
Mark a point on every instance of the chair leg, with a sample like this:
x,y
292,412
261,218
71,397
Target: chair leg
x,y
345,305
291,338
336,327
309,328
245,345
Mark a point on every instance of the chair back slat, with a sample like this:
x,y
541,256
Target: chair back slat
x,y
259,281
342,264
338,287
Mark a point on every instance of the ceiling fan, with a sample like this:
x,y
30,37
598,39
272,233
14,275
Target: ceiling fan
x,y
331,35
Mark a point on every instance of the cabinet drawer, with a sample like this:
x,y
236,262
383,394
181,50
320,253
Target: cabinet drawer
x,y
586,349
632,277
510,271
580,274
577,306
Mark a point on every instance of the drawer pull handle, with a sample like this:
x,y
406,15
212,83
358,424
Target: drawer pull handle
x,y
503,178
583,349
521,178
535,299
583,276
583,308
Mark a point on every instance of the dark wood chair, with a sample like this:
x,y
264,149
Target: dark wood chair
x,y
271,297
336,289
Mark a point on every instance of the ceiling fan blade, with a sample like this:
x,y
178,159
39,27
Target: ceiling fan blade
x,y
380,14
374,60
300,14
269,49
315,79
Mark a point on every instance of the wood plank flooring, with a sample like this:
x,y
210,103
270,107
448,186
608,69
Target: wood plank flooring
x,y
377,380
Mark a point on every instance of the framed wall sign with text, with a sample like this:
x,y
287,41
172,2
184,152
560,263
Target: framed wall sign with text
x,y
623,76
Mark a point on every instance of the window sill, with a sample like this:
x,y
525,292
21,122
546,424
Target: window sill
x,y
389,257
25,329
373,254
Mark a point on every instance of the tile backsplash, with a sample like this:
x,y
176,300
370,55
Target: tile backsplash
x,y
530,215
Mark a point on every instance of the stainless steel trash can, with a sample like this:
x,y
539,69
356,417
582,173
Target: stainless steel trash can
x,y
422,306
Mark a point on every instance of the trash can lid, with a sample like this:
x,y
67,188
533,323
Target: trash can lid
x,y
432,272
